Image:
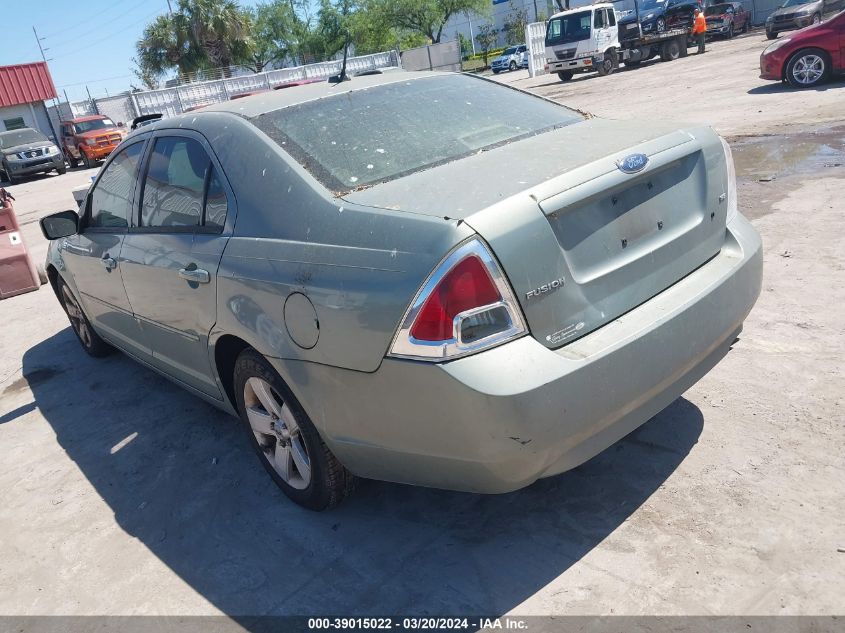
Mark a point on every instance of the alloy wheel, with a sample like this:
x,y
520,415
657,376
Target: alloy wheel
x,y
276,430
77,319
808,69
816,18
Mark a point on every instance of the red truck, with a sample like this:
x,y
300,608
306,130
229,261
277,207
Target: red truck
x,y
89,139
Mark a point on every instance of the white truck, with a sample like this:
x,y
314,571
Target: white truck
x,y
586,39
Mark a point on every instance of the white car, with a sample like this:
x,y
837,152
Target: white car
x,y
511,58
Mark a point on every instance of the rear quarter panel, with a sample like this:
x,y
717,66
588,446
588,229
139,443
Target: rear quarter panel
x,y
360,267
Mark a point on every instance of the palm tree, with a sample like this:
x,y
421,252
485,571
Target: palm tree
x,y
217,27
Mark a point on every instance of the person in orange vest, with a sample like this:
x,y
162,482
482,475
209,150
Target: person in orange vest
x,y
699,29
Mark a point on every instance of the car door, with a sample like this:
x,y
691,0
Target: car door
x,y
172,253
92,257
601,32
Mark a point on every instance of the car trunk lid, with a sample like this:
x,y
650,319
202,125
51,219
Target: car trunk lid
x,y
589,242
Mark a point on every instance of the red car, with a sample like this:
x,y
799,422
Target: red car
x,y
807,57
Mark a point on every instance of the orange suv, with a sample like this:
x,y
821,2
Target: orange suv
x,y
89,139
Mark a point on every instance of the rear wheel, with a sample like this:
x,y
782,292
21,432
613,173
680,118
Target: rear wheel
x,y
565,75
287,443
90,340
807,68
670,50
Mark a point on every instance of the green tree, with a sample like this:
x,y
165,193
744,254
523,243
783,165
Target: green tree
x,y
200,34
487,37
466,45
515,23
426,17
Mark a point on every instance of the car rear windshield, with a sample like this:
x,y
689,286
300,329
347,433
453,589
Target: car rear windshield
x,y
363,137
21,137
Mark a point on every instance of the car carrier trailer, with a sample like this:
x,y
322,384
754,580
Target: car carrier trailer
x,y
587,39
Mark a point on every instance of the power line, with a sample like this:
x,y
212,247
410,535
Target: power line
x,y
97,27
84,22
110,35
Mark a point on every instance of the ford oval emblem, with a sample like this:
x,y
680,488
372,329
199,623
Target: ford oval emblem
x,y
632,163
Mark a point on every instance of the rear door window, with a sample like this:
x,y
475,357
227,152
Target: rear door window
x,y
111,200
182,189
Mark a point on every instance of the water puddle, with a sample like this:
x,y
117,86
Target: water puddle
x,y
767,158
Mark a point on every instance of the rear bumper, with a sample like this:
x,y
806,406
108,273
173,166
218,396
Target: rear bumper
x,y
499,420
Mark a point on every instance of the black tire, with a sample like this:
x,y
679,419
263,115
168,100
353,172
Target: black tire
x,y
771,35
633,64
88,338
512,66
88,162
817,17
805,54
61,170
608,64
670,50
330,482
565,75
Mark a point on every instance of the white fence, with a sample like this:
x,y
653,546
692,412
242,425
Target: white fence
x,y
172,101
535,39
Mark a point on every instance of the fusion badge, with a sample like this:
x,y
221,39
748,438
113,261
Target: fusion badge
x,y
545,288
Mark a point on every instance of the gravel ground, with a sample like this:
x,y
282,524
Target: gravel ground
x,y
122,494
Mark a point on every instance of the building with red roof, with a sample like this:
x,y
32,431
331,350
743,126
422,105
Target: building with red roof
x,y
23,90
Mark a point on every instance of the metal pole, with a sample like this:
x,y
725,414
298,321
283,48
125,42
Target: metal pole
x,y
471,36
91,101
55,100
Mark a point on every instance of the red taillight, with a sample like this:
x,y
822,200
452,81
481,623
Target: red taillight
x,y
465,306
466,286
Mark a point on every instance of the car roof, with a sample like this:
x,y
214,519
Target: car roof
x,y
256,105
82,119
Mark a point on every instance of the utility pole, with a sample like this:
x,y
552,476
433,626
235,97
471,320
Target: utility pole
x,y
471,36
169,8
55,99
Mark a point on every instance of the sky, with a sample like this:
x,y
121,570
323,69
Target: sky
x,y
87,42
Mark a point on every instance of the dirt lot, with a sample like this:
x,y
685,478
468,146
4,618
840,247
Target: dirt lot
x,y
122,494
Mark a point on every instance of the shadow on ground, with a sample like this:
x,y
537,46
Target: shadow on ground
x,y
775,87
189,487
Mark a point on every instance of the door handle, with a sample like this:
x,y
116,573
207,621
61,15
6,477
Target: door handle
x,y
197,275
109,262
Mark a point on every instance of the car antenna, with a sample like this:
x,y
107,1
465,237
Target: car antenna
x,y
336,79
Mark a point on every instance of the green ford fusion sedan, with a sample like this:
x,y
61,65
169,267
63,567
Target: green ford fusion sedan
x,y
417,277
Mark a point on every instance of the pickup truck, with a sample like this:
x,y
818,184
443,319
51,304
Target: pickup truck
x,y
89,139
591,38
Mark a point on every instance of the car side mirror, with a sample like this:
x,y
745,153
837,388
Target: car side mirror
x,y
59,225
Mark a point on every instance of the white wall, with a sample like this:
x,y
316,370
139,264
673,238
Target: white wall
x,y
39,121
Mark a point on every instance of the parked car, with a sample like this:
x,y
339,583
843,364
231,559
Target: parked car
x,y
657,16
511,59
808,57
381,294
89,139
25,151
796,14
726,19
